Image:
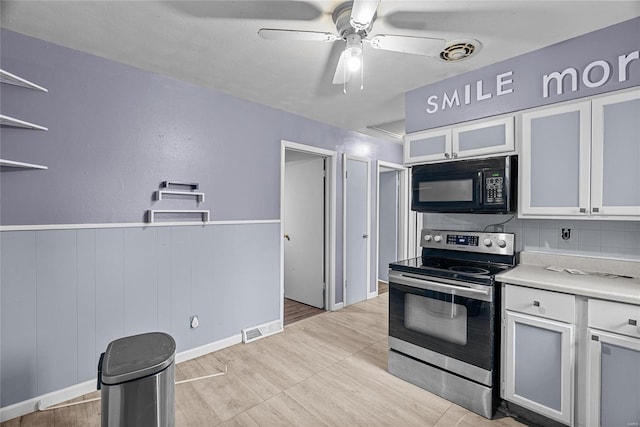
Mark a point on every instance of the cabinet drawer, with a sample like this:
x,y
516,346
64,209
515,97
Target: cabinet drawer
x,y
552,305
615,317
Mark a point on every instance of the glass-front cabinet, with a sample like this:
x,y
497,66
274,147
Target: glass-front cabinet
x,y
614,364
539,365
479,138
555,160
538,350
580,159
615,175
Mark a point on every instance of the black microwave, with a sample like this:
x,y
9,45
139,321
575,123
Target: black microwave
x,y
478,186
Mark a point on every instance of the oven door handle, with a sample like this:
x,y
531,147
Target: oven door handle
x,y
401,279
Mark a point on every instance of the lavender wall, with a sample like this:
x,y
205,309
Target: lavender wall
x,y
526,87
115,132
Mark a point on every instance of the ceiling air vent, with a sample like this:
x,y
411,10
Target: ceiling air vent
x,y
458,50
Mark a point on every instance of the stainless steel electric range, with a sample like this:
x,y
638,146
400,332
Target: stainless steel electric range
x,y
444,316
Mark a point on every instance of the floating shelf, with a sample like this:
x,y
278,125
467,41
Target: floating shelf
x,y
20,165
199,196
12,79
13,122
189,185
151,214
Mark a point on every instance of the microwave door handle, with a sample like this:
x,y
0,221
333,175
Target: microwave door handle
x,y
480,188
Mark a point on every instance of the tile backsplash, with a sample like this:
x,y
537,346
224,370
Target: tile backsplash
x,y
609,239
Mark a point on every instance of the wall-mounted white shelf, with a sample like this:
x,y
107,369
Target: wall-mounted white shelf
x,y
20,165
172,184
160,193
12,79
151,214
13,122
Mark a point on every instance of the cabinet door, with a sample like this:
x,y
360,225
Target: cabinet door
x,y
555,167
615,188
539,365
613,383
427,146
485,137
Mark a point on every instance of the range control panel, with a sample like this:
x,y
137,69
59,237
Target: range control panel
x,y
469,241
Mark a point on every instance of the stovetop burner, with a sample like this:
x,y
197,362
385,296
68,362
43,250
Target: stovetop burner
x,y
467,269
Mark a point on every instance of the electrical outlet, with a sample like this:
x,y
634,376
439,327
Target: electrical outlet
x,y
566,234
194,322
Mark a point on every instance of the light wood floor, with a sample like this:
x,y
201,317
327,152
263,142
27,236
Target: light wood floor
x,y
327,370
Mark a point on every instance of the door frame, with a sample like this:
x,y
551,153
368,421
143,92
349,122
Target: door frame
x,y
330,216
403,217
345,158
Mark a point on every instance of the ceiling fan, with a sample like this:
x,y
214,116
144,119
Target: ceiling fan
x,y
354,21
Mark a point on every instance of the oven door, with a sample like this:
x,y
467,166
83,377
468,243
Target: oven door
x,y
451,319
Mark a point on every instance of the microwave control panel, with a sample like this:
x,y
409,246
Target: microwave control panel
x,y
494,187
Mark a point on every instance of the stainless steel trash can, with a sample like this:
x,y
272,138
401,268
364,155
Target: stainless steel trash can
x,y
137,376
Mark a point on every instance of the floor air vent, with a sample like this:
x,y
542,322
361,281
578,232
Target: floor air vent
x,y
261,331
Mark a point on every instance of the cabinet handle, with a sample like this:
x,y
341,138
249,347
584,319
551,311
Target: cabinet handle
x,y
633,322
446,155
454,155
583,210
536,303
595,209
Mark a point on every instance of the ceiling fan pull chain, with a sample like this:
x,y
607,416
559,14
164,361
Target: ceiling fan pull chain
x,y
362,70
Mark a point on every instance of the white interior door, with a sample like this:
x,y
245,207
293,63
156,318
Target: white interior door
x,y
388,221
304,229
357,229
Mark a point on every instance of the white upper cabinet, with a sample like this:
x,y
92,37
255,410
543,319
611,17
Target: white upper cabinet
x,y
554,160
478,138
580,159
484,137
427,146
615,147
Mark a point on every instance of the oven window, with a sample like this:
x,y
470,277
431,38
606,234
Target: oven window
x,y
459,327
459,190
438,318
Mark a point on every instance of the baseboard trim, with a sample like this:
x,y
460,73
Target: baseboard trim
x,y
208,348
58,396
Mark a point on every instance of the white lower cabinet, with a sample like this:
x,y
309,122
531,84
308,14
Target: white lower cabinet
x,y
613,378
539,354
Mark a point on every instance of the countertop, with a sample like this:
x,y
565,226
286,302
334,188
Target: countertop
x,y
532,272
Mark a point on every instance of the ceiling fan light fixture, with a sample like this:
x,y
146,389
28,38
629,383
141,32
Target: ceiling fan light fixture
x,y
363,14
459,50
353,51
354,62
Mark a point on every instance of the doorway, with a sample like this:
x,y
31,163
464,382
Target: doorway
x,y
307,247
392,224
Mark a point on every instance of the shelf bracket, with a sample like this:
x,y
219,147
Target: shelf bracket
x,y
151,214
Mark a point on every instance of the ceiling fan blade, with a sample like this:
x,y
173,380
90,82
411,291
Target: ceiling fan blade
x,y
278,34
362,13
408,44
342,74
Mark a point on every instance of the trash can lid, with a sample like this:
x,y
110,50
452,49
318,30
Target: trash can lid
x,y
137,356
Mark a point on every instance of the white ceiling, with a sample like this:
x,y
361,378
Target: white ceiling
x,y
215,44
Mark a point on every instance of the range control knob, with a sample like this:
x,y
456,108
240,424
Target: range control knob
x,y
437,238
427,237
487,242
502,243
